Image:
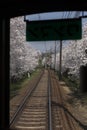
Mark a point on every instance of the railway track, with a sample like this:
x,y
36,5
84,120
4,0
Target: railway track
x,y
61,118
34,114
17,101
44,108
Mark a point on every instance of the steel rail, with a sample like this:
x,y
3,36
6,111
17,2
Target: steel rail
x,y
21,105
49,103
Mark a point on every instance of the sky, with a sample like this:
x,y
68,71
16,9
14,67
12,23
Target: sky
x,y
43,46
53,15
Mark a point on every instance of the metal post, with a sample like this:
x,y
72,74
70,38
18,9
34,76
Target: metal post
x,y
45,54
55,57
60,65
82,13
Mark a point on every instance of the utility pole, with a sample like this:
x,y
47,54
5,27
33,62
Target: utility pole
x,y
82,13
45,56
50,58
55,56
60,65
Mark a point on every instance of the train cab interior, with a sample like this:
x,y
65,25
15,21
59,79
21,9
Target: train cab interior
x,y
13,8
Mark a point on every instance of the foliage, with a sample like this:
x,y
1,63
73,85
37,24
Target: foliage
x,y
74,55
16,86
71,82
23,58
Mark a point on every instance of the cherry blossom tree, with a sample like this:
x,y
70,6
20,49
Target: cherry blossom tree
x,y
23,58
